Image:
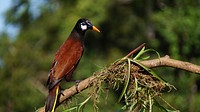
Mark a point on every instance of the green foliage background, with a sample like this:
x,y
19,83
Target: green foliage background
x,y
172,27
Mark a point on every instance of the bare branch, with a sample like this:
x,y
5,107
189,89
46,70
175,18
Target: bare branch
x,y
167,61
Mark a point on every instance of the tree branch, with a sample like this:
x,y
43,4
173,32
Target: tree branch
x,y
163,61
167,61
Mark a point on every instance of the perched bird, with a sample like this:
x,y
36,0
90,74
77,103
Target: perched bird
x,y
66,61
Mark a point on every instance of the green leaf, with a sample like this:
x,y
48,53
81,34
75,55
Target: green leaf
x,y
126,81
148,70
78,107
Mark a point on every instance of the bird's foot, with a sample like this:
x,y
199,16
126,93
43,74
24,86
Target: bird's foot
x,y
77,83
61,91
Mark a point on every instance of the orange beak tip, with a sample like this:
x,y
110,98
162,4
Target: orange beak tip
x,y
95,29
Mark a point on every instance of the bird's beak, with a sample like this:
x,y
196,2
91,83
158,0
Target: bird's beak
x,y
95,29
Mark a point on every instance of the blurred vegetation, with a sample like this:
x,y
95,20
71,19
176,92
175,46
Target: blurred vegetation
x,y
171,27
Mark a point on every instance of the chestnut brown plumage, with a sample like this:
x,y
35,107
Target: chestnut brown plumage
x,y
66,61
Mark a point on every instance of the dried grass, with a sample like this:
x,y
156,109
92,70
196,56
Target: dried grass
x,y
139,86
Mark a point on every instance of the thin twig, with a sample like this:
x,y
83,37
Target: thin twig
x,y
135,50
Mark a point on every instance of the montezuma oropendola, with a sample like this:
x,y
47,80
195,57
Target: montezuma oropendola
x,y
66,61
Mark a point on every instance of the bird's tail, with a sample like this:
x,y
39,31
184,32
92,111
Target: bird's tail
x,y
52,99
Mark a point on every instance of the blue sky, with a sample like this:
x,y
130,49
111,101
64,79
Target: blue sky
x,y
4,5
11,30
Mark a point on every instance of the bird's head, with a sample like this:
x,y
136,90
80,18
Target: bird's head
x,y
84,24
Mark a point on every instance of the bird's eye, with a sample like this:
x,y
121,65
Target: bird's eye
x,y
82,23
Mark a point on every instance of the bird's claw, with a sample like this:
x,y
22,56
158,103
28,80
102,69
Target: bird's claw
x,y
61,91
77,83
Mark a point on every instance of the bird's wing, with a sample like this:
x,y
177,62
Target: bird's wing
x,y
65,61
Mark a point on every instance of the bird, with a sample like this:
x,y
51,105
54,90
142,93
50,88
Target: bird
x,y
65,61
